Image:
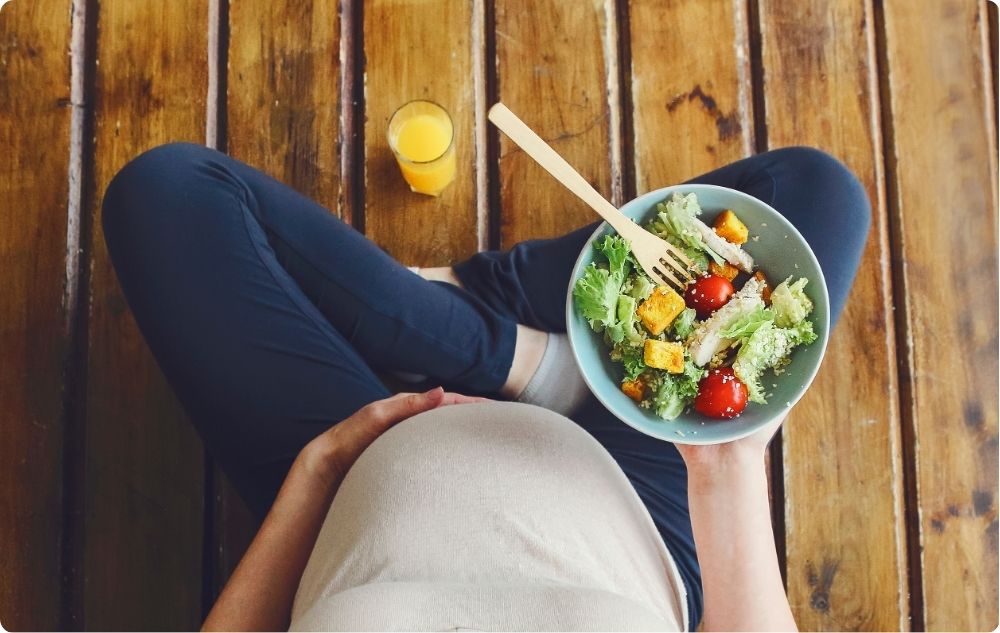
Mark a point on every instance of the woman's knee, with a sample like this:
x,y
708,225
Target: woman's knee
x,y
151,183
829,178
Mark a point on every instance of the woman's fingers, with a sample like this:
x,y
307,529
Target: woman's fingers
x,y
405,405
385,413
458,398
449,397
345,441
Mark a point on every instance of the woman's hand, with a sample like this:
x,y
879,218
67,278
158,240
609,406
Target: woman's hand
x,y
746,451
331,454
260,592
731,521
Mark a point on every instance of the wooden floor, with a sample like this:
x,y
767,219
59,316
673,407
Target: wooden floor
x,y
885,479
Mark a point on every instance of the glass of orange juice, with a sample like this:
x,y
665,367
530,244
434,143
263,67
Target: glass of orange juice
x,y
422,137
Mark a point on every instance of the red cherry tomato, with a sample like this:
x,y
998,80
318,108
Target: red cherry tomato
x,y
708,293
721,394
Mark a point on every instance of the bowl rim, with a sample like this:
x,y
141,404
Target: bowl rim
x,y
660,195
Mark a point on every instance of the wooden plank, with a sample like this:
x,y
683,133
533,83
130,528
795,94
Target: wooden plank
x,y
942,177
845,547
419,49
691,106
35,112
552,64
284,93
283,108
144,471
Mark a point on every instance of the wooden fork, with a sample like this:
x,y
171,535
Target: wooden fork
x,y
661,260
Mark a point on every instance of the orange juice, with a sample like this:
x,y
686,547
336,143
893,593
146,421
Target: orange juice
x,y
421,134
423,138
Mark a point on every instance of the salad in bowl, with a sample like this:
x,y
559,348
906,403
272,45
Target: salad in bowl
x,y
718,349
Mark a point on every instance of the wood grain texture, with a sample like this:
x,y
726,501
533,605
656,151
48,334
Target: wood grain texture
x,y
284,93
35,113
552,66
283,109
942,174
845,547
419,49
690,90
145,464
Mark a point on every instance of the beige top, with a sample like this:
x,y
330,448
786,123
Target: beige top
x,y
483,517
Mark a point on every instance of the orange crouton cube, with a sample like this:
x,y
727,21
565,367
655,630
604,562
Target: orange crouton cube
x,y
634,389
660,309
664,355
729,227
765,294
726,270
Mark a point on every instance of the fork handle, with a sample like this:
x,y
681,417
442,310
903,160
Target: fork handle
x,y
525,138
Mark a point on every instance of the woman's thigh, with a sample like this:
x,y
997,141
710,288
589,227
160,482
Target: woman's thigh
x,y
257,367
268,314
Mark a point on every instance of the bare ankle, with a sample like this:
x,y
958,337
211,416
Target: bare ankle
x,y
528,352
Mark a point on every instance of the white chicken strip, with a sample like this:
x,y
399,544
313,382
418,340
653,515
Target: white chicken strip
x,y
705,341
732,252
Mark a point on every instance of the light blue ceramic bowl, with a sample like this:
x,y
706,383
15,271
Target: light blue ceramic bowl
x,y
780,251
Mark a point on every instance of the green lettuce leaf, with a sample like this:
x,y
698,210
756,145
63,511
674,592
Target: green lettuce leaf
x,y
748,323
625,325
640,287
790,303
631,358
596,296
616,249
659,227
768,346
596,292
676,222
802,333
676,391
683,325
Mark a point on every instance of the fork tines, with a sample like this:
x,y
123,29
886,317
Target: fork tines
x,y
680,263
667,277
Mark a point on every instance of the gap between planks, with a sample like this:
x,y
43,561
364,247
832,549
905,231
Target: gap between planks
x,y
352,115
481,103
626,136
876,52
903,330
987,36
612,47
490,135
76,301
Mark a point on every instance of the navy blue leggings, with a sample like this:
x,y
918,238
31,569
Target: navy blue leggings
x,y
269,316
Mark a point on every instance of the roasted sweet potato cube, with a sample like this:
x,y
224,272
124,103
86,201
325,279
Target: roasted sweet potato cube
x,y
730,228
664,355
726,270
660,309
635,389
